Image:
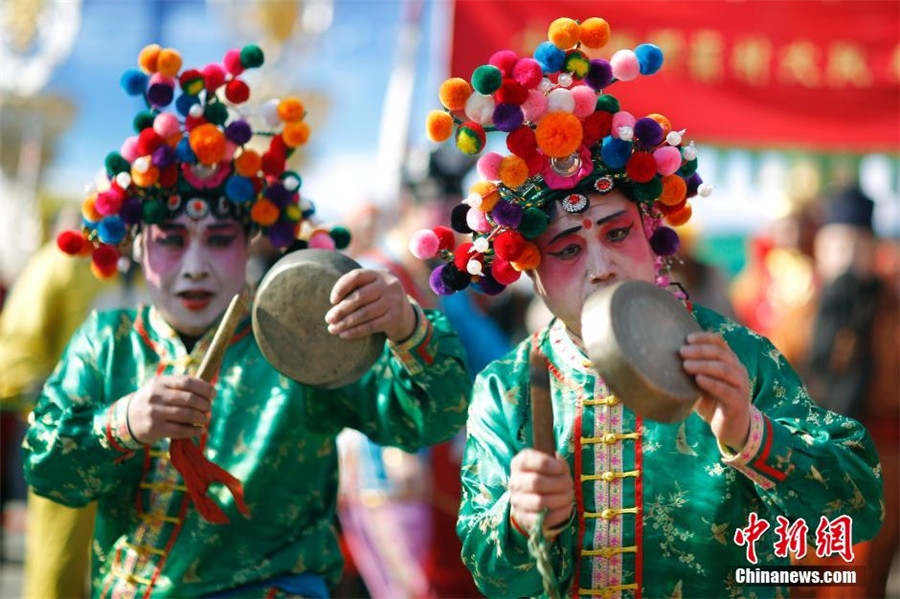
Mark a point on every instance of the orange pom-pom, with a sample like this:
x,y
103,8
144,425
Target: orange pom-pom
x,y
103,261
264,212
454,92
489,194
248,163
104,272
564,33
148,57
663,122
594,33
168,62
529,259
674,190
291,110
295,134
173,141
676,219
513,171
439,126
208,143
88,211
559,134
145,179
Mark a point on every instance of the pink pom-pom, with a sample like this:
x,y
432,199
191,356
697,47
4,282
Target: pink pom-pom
x,y
214,76
480,108
233,63
528,73
109,202
489,166
668,160
625,65
585,101
157,78
424,244
129,149
621,119
534,106
166,125
505,60
230,149
321,241
477,221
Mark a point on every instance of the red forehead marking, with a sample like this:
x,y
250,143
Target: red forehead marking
x,y
586,223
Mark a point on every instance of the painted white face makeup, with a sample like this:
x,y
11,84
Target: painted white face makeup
x,y
193,269
581,253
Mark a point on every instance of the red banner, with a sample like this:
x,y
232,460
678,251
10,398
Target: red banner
x,y
798,74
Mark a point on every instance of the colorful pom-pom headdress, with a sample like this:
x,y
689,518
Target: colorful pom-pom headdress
x,y
198,160
566,137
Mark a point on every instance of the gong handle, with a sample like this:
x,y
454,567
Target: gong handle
x,y
216,352
542,435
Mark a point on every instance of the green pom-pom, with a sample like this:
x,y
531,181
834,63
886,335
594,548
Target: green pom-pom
x,y
153,212
688,168
647,192
534,222
487,79
143,119
341,237
252,56
608,103
216,113
115,164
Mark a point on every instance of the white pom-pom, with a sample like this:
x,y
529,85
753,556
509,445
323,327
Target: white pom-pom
x,y
689,152
142,164
565,79
545,85
480,108
626,133
123,180
480,245
196,111
269,112
473,267
291,183
305,205
674,138
473,200
705,190
560,100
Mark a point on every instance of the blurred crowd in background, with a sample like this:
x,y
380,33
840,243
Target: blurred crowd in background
x,y
816,268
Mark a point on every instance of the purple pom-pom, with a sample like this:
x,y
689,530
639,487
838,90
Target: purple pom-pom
x,y
281,234
239,132
436,281
163,156
130,213
664,241
648,132
693,183
455,278
507,214
599,74
488,285
160,94
508,117
279,194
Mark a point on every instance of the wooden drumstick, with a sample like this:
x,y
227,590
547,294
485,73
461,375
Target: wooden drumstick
x,y
543,438
216,352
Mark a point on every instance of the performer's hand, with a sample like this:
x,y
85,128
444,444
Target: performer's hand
x,y
538,482
177,407
370,301
725,404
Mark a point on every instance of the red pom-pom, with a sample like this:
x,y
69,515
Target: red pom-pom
x,y
105,257
192,122
258,184
237,91
273,164
504,60
445,237
509,245
596,126
148,141
278,147
641,167
168,176
462,255
71,242
536,163
511,92
503,272
522,142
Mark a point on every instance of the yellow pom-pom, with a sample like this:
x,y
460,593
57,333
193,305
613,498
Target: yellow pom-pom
x,y
295,134
439,126
168,62
264,212
88,211
145,179
559,134
148,57
489,195
248,163
513,171
208,143
594,33
454,92
564,33
291,110
682,216
292,212
529,259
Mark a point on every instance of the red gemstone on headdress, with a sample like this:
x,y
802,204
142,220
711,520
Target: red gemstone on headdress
x,y
603,184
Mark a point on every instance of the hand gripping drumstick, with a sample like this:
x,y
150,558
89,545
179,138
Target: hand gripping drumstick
x,y
196,470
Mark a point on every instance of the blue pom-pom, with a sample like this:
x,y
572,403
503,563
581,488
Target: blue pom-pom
x,y
309,211
650,58
664,241
550,57
111,230
184,102
89,225
615,152
239,189
508,117
134,82
184,153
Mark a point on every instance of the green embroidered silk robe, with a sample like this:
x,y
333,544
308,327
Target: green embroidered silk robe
x,y
658,504
276,436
